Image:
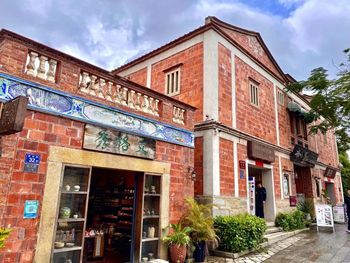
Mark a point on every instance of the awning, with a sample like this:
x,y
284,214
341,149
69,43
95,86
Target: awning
x,y
295,108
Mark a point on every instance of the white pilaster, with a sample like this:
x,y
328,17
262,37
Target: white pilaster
x,y
281,176
341,188
211,76
276,114
233,74
211,163
235,168
149,76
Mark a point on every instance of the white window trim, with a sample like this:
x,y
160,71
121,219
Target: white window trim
x,y
257,93
280,94
289,185
169,73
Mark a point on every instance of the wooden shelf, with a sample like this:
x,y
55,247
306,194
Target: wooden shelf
x,y
150,239
68,220
150,217
66,249
74,192
151,194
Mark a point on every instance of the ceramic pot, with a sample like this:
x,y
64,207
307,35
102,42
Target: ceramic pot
x,y
65,212
177,253
199,252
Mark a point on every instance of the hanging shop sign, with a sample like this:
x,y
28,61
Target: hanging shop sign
x,y
303,157
260,151
107,140
31,209
330,172
12,115
324,216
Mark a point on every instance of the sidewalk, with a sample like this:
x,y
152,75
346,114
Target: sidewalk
x,y
309,246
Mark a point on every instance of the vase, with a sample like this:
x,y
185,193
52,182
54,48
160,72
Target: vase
x,y
65,212
178,253
199,252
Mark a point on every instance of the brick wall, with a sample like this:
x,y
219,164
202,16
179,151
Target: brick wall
x,y
190,62
226,168
225,86
284,124
40,131
181,185
139,76
251,44
198,165
256,121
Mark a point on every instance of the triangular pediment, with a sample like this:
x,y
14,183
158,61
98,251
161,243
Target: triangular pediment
x,y
250,42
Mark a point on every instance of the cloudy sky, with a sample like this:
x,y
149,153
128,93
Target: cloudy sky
x,y
301,34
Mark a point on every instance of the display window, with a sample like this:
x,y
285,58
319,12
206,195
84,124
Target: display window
x,y
107,215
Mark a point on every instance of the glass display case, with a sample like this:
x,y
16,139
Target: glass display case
x,y
71,217
151,218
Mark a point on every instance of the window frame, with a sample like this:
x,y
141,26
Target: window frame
x,y
254,84
169,74
280,97
286,176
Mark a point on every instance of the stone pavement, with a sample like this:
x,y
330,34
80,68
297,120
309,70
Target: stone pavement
x,y
309,246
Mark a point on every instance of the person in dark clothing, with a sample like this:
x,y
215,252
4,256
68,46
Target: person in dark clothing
x,y
347,204
260,198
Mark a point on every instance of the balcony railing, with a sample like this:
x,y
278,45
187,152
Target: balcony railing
x,y
108,90
178,115
40,66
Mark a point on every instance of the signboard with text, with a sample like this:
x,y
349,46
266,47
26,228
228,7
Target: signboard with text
x,y
339,214
324,216
256,150
107,140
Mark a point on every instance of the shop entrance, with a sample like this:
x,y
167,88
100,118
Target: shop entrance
x,y
110,218
330,192
303,182
264,176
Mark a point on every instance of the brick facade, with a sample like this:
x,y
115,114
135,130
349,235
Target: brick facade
x,y
226,168
252,62
42,131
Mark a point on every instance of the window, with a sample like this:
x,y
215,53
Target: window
x,y
254,93
280,97
286,185
318,189
325,138
172,82
298,129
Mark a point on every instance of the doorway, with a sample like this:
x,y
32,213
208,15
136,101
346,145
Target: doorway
x,y
264,175
331,192
303,181
110,218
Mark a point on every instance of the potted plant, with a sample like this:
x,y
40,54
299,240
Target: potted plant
x,y
307,206
178,240
198,218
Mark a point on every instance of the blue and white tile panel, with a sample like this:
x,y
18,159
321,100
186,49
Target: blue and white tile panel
x,y
48,100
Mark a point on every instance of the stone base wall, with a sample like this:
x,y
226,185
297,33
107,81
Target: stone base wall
x,y
282,206
224,205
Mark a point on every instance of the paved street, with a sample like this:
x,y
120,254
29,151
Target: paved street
x,y
324,246
317,247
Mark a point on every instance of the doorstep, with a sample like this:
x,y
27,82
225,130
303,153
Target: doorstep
x,y
285,235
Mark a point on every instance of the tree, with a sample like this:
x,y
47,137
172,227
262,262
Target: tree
x,y
331,100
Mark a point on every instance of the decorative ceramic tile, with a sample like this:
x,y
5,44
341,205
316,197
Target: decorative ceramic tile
x,y
58,103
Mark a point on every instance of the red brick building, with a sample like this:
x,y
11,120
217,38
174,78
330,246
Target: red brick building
x,y
246,126
99,159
